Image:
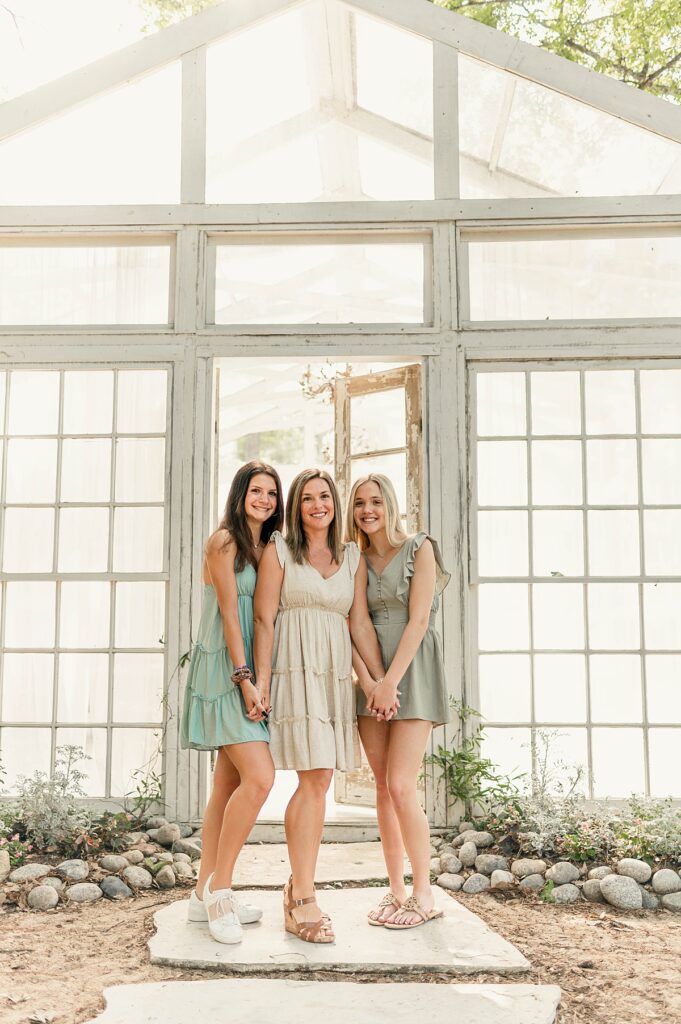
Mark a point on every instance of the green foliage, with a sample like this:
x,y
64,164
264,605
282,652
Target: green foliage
x,y
546,895
17,848
283,446
104,833
48,808
161,13
147,791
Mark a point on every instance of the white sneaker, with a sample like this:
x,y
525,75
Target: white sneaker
x,y
223,923
247,913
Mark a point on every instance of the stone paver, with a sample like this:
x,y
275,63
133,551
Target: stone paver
x,y
266,866
243,1001
459,943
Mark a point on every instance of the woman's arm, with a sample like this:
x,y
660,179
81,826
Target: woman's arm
x,y
362,630
265,608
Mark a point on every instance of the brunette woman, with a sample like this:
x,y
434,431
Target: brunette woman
x,y
405,579
223,710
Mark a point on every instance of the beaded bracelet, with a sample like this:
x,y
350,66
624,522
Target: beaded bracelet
x,y
240,674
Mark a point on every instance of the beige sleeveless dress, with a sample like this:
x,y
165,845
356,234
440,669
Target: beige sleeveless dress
x,y
313,722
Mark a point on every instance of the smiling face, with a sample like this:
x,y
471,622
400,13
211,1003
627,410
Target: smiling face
x,y
316,506
260,501
369,509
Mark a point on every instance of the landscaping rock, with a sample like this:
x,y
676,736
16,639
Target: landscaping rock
x,y
188,846
73,870
134,856
183,870
55,883
533,883
43,897
165,858
563,872
84,892
650,900
666,881
672,901
481,839
181,858
155,821
501,879
451,882
29,872
476,883
112,862
5,865
486,863
168,834
466,826
138,878
592,891
185,831
457,842
636,869
435,841
114,888
602,872
153,833
527,866
435,866
622,891
165,879
567,893
451,864
133,838
467,854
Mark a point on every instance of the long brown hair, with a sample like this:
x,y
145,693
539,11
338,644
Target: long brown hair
x,y
295,535
234,519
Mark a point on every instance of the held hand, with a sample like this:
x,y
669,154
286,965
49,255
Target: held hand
x,y
383,701
255,709
264,694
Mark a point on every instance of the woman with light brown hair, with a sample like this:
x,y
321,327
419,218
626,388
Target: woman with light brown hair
x,y
309,586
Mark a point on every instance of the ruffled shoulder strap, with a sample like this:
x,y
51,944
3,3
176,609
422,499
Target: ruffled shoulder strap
x,y
281,546
442,577
353,555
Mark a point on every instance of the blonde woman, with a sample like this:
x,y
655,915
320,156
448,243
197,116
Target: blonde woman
x,y
308,585
397,711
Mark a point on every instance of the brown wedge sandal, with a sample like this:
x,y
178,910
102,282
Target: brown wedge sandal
x,y
308,931
388,901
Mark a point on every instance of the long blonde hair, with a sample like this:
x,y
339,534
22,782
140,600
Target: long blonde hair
x,y
394,530
295,535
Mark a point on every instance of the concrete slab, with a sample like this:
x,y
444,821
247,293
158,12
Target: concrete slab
x,y
243,1001
459,943
267,866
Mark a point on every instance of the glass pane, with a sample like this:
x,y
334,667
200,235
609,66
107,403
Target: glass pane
x,y
661,401
558,616
378,421
83,690
29,616
141,407
559,688
83,540
34,394
556,404
611,472
558,543
613,544
31,471
502,472
503,617
567,753
3,388
132,749
509,750
618,762
556,473
661,470
613,616
663,687
662,542
23,752
123,147
29,540
392,466
610,402
504,687
517,137
86,470
320,284
138,540
500,408
665,780
616,688
27,688
77,284
93,743
140,469
579,278
138,688
140,614
88,401
84,615
502,544
662,616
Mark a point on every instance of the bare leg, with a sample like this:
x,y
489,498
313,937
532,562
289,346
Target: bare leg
x,y
253,762
376,738
225,781
304,824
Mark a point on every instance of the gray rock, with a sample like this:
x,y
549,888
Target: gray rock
x,y
134,856
533,883
467,854
153,834
636,869
567,893
84,892
54,883
672,901
501,879
622,892
476,883
527,866
165,879
466,826
435,866
601,872
666,881
5,865
486,863
563,872
138,878
457,842
650,900
451,864
436,842
155,821
114,888
181,858
29,872
73,870
43,897
165,858
451,882
186,831
112,862
167,834
592,891
133,838
481,839
187,846
183,870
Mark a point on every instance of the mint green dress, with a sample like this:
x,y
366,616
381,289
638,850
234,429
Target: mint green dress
x,y
214,712
423,687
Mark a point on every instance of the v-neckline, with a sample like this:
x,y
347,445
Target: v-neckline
x,y
379,575
327,578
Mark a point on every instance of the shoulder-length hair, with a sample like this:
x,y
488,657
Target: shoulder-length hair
x,y
394,530
295,535
234,518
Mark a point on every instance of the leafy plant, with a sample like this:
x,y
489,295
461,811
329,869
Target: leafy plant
x,y
107,832
17,848
48,808
147,791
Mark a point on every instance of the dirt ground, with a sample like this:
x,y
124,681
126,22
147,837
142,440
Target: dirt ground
x,y
613,968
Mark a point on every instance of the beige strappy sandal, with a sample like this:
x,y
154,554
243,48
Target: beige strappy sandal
x,y
412,904
308,931
388,901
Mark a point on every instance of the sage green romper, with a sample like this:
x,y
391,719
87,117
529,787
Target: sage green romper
x,y
214,712
423,688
